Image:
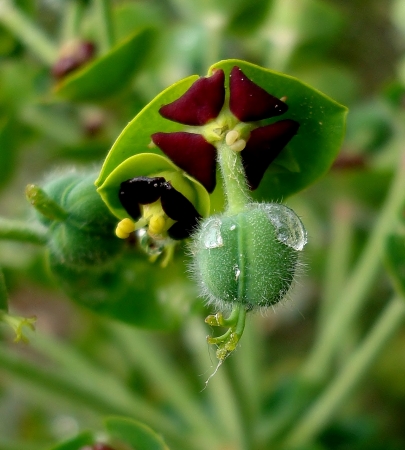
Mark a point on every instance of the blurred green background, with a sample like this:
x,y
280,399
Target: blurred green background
x,y
81,365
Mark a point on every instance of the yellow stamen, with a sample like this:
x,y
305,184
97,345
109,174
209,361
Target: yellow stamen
x,y
125,228
231,137
238,146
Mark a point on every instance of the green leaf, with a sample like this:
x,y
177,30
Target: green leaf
x,y
395,260
110,73
3,293
149,164
322,127
131,290
138,435
79,441
7,152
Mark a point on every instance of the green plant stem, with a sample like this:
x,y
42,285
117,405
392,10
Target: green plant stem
x,y
222,401
245,370
27,31
15,230
338,256
353,296
105,24
142,351
234,180
3,293
69,385
319,414
72,16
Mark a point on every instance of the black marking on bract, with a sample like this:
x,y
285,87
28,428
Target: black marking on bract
x,y
146,190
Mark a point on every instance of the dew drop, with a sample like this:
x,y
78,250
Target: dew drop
x,y
149,245
289,228
212,234
233,227
237,272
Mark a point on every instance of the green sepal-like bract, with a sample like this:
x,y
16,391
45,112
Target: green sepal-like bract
x,y
149,164
308,156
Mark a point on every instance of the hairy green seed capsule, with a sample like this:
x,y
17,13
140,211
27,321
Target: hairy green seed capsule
x,y
248,258
83,236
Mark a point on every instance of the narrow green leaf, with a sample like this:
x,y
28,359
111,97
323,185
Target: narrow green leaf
x,y
395,260
3,293
79,441
7,151
138,435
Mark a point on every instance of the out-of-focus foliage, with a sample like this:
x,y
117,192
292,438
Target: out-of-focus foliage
x,y
84,363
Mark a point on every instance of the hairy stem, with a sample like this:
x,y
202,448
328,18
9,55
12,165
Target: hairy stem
x,y
234,180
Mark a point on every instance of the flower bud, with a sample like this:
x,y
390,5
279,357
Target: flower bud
x,y
84,236
248,258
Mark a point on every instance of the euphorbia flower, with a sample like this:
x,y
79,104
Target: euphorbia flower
x,y
214,117
149,192
161,206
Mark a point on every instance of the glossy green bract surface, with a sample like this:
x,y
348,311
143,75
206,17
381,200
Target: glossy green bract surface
x,y
152,165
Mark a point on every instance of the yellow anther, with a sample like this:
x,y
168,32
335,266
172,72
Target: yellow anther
x,y
124,228
231,137
238,146
156,225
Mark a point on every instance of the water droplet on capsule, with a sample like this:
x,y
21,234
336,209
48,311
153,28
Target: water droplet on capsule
x,y
212,236
289,228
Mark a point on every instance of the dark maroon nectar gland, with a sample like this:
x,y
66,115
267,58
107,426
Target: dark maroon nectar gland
x,y
263,147
201,103
192,153
249,102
